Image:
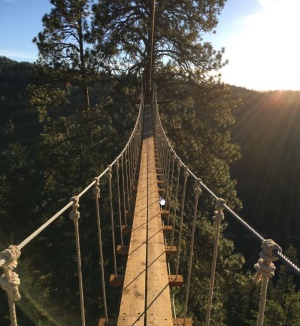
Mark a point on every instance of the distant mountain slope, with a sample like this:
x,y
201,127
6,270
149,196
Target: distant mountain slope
x,y
268,130
14,99
14,79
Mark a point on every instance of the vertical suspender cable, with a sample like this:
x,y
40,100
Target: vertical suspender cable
x,y
197,194
166,185
127,178
112,220
74,215
119,202
186,174
123,189
132,164
218,217
176,201
168,206
96,191
152,44
129,167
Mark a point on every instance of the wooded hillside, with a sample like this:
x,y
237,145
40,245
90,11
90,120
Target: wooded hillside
x,y
259,129
268,174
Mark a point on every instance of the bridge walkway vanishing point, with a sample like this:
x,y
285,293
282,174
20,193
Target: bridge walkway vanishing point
x,y
146,296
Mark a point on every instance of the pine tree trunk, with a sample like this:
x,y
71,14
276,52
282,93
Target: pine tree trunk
x,y
85,88
149,69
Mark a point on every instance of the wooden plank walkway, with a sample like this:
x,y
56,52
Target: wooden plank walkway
x,y
146,295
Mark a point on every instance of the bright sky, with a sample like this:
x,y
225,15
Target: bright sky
x,y
260,38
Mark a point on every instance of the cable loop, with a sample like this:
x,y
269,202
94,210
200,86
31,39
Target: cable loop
x,y
265,270
220,204
109,171
179,165
74,214
11,285
9,281
10,255
265,266
186,172
219,215
96,189
197,190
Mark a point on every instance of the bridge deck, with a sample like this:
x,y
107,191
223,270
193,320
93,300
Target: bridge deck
x,y
146,296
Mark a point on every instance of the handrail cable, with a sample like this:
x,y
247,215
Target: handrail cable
x,y
60,212
8,258
197,192
97,198
281,256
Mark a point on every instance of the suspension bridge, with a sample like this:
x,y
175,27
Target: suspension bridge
x,y
149,180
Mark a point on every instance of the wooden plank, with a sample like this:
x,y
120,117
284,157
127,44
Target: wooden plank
x,y
116,280
123,250
173,280
145,296
176,280
182,322
133,295
129,214
164,213
167,229
126,229
111,322
171,250
158,293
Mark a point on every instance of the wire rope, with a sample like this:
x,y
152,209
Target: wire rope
x,y
197,194
97,198
185,174
112,221
119,202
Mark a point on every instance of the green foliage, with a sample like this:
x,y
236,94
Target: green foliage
x,y
125,32
197,119
17,175
14,79
66,51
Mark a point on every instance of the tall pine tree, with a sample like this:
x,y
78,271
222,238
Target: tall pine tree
x,y
67,59
126,29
